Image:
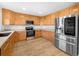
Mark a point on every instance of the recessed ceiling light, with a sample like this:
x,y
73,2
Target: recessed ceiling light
x,y
40,12
24,9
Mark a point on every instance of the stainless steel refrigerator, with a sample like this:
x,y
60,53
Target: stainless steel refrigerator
x,y
67,34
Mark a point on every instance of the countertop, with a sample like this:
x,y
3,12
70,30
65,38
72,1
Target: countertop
x,y
4,39
22,28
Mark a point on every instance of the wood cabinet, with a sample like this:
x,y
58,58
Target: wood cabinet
x,y
48,20
6,48
37,33
15,37
10,17
49,35
21,35
6,17
19,19
37,21
13,18
72,10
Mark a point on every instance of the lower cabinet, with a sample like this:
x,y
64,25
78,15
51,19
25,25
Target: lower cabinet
x,y
37,33
49,35
21,35
6,49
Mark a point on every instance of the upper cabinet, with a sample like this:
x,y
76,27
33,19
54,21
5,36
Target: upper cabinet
x,y
19,19
7,17
72,10
13,18
47,20
37,21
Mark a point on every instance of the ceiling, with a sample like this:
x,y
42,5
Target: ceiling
x,y
36,8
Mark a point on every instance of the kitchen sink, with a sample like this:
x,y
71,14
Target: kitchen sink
x,y
4,34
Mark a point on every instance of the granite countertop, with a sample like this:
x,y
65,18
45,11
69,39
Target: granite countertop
x,y
5,38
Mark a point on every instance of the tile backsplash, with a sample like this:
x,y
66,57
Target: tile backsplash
x,y
14,27
22,27
1,28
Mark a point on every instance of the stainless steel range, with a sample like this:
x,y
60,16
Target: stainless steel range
x,y
30,32
67,34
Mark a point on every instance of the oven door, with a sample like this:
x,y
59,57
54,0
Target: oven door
x,y
69,26
30,33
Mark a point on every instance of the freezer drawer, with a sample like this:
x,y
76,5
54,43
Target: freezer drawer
x,y
71,49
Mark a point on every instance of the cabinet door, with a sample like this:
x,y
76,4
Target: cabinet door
x,y
15,37
19,19
37,21
42,20
12,20
49,35
21,35
6,49
48,20
38,33
6,16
